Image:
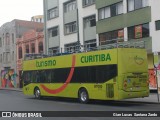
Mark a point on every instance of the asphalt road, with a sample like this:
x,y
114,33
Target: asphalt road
x,y
16,101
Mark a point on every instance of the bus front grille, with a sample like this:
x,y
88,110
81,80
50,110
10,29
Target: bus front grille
x,y
110,90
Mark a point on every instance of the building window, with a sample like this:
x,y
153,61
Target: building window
x,y
145,30
116,9
90,21
158,25
113,10
4,56
7,39
13,55
3,38
8,57
1,58
27,48
137,4
40,47
110,11
54,50
111,37
90,45
101,13
70,28
138,31
20,53
33,48
52,13
70,6
88,2
0,42
53,32
119,8
71,48
12,38
107,12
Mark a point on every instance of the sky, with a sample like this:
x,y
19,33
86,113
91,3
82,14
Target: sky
x,y
19,9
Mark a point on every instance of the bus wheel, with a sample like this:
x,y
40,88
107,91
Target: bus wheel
x,y
83,96
37,93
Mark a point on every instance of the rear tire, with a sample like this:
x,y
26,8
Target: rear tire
x,y
37,93
83,96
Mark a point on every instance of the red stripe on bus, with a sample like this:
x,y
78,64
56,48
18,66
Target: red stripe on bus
x,y
60,89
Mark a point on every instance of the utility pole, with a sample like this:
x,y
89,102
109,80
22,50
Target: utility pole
x,y
45,28
156,63
78,40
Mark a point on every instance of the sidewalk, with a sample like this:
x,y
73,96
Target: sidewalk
x,y
13,89
152,99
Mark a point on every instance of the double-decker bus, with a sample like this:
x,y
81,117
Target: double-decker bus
x,y
112,74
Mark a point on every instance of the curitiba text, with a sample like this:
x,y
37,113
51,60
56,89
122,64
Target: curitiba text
x,y
96,58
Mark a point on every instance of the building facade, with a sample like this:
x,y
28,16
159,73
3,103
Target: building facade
x,y
31,42
132,20
9,32
100,22
37,18
66,26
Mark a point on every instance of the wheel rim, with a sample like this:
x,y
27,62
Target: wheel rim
x,y
37,93
83,96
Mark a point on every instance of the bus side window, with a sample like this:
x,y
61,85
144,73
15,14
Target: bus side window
x,y
52,75
92,75
42,74
45,76
49,76
24,78
37,77
81,75
106,73
27,78
33,76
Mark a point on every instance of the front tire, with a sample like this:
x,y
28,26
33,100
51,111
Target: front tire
x,y
37,93
83,96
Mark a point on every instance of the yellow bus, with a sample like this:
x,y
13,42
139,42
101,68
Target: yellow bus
x,y
112,74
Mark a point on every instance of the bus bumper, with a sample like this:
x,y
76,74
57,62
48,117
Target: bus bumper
x,y
129,95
